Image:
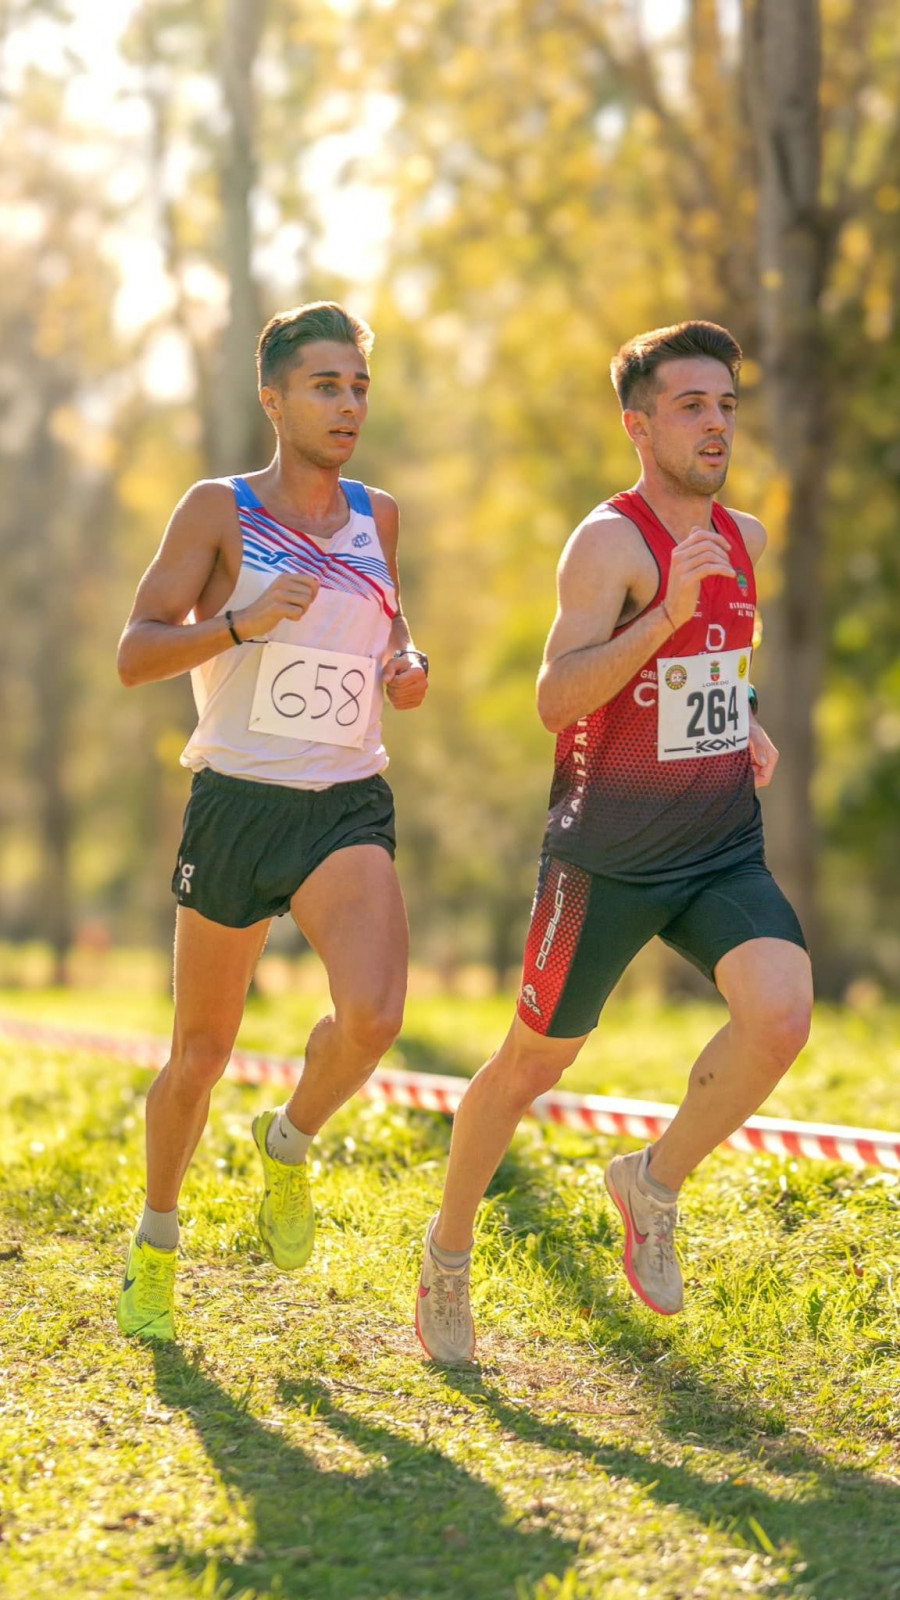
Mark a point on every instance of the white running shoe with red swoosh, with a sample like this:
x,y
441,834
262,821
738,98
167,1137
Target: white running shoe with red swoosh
x,y
443,1315
651,1265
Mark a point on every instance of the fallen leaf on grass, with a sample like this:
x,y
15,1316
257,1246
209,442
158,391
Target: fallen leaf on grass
x,y
153,1413
127,1521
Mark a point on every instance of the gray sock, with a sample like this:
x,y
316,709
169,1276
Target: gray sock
x,y
284,1141
450,1260
656,1191
159,1228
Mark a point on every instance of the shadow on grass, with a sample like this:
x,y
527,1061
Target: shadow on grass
x,y
820,1518
835,1527
405,1523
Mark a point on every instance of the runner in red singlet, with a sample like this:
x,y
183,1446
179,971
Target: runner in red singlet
x,y
654,826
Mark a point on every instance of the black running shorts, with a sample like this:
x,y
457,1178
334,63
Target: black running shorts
x,y
247,847
585,930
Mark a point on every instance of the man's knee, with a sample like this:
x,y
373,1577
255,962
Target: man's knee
x,y
198,1062
528,1069
371,1025
779,1024
538,1077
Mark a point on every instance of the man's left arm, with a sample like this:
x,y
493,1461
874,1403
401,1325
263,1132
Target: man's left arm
x,y
763,755
404,673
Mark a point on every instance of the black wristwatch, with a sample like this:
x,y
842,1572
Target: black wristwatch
x,y
417,655
753,698
229,618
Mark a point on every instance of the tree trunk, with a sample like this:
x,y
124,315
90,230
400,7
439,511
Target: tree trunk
x,y
54,808
242,434
781,46
47,645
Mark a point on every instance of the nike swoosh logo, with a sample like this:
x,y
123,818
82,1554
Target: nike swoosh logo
x,y
640,1238
129,1282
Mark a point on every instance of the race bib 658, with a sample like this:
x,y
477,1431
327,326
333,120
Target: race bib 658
x,y
320,695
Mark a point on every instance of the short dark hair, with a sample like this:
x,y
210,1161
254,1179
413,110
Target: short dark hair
x,y
284,335
634,368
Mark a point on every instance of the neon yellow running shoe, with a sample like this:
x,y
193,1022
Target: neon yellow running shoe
x,y
287,1222
147,1302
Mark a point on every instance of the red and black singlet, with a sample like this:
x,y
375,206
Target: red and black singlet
x,y
618,810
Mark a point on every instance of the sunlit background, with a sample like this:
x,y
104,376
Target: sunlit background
x,y
507,191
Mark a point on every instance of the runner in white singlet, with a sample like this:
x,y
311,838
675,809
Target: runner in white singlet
x,y
278,591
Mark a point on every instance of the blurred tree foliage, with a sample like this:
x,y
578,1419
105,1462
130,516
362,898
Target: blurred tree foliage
x,y
557,180
567,183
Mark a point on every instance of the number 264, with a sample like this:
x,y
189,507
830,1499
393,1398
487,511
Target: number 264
x,y
720,707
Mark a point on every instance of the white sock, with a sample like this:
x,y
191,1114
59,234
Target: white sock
x,y
649,1185
284,1141
159,1229
450,1260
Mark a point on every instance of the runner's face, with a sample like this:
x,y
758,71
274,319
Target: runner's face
x,y
690,431
321,403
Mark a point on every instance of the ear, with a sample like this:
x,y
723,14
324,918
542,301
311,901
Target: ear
x,y
270,400
635,425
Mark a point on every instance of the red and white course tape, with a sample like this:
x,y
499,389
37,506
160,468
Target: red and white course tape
x,y
424,1091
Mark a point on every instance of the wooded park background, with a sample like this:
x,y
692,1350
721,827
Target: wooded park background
x,y
506,189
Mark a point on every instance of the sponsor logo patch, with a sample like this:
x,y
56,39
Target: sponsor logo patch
x,y
365,538
676,677
529,998
547,941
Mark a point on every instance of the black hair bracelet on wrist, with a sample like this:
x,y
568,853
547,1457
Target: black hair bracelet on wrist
x,y
229,618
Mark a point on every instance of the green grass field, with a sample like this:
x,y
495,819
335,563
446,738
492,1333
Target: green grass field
x,y
296,1445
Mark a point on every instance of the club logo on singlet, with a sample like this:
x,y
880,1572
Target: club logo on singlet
x,y
360,540
741,578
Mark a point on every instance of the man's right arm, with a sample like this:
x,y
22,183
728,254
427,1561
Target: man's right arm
x,y
584,666
157,643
